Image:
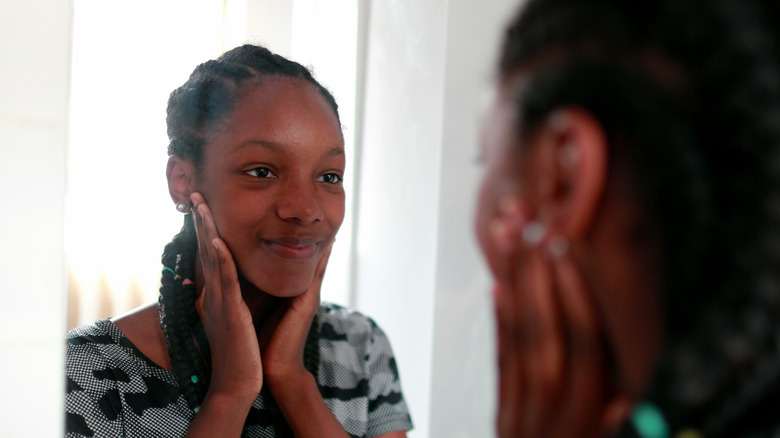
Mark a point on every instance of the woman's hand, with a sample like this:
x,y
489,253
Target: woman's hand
x,y
236,366
237,372
554,369
283,353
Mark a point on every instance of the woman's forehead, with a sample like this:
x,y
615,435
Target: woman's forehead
x,y
280,112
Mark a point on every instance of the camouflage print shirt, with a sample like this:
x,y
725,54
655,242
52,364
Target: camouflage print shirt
x,y
113,390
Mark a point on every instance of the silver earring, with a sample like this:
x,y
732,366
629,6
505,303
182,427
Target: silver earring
x,y
181,206
533,233
569,155
558,246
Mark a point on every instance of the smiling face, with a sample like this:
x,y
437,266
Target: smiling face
x,y
272,176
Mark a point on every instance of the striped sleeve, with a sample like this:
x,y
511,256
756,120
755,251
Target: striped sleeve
x,y
387,410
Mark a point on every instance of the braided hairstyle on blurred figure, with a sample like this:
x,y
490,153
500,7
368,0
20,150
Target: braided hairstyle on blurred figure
x,y
194,110
687,94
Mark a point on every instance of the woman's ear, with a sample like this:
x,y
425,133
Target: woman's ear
x,y
570,163
181,181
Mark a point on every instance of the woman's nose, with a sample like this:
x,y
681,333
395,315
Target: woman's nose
x,y
298,202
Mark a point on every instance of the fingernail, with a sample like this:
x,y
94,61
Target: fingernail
x,y
499,233
194,201
508,205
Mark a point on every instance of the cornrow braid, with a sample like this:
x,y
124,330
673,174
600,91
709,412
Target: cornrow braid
x,y
197,108
688,93
190,356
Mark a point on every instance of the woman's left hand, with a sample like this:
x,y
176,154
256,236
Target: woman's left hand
x,y
554,368
283,353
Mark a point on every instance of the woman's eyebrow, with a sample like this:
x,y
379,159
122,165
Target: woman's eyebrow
x,y
282,149
265,144
333,152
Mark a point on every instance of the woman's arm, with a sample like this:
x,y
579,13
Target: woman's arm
x,y
396,434
238,372
236,367
305,410
294,388
310,415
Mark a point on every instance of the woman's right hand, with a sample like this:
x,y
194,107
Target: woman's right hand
x,y
236,366
555,374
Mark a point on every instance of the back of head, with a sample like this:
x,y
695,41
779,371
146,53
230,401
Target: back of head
x,y
688,93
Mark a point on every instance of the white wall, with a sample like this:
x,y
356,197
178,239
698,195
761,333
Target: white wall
x,y
418,269
34,74
463,376
399,186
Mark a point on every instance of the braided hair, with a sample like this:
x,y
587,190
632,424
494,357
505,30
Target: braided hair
x,y
196,109
687,92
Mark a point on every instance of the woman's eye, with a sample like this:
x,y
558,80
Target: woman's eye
x,y
332,178
260,172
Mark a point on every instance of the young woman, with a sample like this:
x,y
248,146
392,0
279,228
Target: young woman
x,y
629,215
240,344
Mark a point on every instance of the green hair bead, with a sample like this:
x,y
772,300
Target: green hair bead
x,y
649,422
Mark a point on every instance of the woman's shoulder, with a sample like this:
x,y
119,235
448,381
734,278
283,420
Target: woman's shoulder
x,y
103,345
344,319
91,348
344,324
92,336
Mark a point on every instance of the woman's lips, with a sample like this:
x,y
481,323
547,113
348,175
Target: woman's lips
x,y
289,248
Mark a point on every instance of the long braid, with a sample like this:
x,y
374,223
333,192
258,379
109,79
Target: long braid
x,y
688,91
178,317
195,109
751,344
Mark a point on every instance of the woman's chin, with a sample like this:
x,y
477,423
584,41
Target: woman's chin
x,y
285,292
282,288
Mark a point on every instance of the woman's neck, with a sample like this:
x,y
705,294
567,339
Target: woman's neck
x,y
266,309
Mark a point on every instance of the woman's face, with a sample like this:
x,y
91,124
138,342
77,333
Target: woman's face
x,y
272,176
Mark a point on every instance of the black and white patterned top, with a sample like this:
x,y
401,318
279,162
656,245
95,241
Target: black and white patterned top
x,y
113,390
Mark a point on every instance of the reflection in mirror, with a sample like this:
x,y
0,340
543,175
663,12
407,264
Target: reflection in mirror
x,y
118,213
414,74
107,274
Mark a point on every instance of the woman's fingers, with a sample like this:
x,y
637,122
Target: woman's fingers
x,y
546,345
222,265
228,275
509,423
283,355
205,228
235,354
586,391
319,271
297,318
551,348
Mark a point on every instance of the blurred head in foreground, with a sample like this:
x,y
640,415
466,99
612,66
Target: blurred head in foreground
x,y
630,216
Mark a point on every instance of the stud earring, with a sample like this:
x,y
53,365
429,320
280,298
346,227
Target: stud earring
x,y
181,206
569,155
533,233
558,246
